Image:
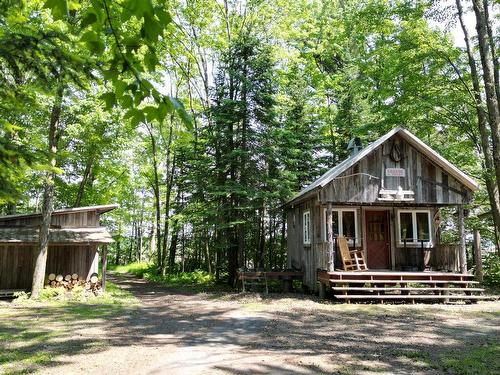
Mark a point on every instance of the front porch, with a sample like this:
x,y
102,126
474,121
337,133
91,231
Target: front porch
x,y
441,258
383,286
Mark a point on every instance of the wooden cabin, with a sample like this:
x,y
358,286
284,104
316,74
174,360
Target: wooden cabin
x,y
385,199
74,239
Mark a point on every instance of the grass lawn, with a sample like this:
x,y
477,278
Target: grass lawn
x,y
176,326
196,281
34,334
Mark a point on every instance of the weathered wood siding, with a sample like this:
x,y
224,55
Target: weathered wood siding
x,y
17,261
299,255
79,219
429,182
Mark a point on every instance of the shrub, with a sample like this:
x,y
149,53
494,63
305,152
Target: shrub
x,y
137,268
184,278
491,269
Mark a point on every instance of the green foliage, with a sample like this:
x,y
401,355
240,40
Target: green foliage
x,y
195,278
475,361
491,269
149,272
137,268
273,92
62,297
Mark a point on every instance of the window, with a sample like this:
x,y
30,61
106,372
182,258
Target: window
x,y
306,225
414,226
344,223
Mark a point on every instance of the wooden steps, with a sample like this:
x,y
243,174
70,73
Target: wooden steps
x,y
412,297
388,281
372,289
401,286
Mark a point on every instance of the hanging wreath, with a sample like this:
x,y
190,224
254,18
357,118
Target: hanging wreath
x,y
396,154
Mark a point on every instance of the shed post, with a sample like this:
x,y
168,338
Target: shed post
x,y
104,260
329,236
461,233
478,256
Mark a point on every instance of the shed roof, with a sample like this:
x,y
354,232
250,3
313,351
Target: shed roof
x,y
100,209
13,235
407,136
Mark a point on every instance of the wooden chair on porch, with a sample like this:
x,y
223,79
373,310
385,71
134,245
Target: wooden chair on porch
x,y
352,260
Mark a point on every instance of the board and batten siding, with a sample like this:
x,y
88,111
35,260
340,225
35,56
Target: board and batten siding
x,y
362,182
301,256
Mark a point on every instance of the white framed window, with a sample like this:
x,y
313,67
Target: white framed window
x,y
306,226
413,227
344,223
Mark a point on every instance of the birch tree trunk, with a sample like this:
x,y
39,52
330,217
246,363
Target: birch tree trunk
x,y
48,198
489,167
487,64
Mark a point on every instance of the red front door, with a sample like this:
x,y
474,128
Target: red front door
x,y
377,239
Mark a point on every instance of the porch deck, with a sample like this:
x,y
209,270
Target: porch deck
x,y
380,286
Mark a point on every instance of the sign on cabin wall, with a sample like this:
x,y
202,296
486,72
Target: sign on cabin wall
x,y
395,172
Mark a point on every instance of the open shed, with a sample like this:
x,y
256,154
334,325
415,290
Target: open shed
x,y
75,241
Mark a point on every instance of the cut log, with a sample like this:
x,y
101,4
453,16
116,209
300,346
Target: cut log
x,y
94,279
74,276
53,283
67,278
59,278
52,276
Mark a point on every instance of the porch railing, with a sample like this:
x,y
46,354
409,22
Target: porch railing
x,y
323,256
439,258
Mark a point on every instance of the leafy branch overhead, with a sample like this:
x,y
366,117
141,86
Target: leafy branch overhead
x,y
124,37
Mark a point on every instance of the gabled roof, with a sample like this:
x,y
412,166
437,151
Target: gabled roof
x,y
100,209
407,136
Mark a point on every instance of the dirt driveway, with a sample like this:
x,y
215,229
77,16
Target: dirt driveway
x,y
178,332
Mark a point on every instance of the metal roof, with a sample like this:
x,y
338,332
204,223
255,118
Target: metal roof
x,y
100,209
13,235
411,139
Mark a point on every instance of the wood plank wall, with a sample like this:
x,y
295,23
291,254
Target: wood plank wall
x,y
302,256
429,182
16,263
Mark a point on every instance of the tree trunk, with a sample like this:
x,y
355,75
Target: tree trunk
x,y
118,251
183,250
83,183
489,167
207,255
283,239
131,247
48,198
493,48
157,202
169,182
489,80
262,238
173,248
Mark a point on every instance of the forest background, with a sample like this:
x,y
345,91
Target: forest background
x,y
201,117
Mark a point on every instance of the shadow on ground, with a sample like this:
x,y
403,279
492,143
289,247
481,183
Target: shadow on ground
x,y
200,335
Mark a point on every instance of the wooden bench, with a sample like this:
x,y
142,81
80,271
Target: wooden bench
x,y
7,293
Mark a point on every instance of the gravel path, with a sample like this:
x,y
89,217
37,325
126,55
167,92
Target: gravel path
x,y
178,332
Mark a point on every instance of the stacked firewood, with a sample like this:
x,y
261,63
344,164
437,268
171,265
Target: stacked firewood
x,y
70,281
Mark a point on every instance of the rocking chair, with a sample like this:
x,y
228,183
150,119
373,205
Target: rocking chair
x,y
352,260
